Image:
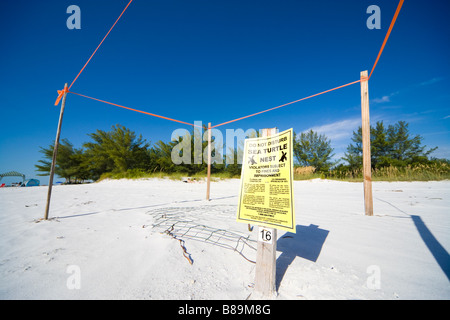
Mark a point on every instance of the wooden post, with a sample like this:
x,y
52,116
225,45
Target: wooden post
x,y
55,152
367,171
266,257
208,176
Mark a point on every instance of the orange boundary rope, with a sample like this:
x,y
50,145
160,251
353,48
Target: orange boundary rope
x,y
99,45
286,104
394,19
61,92
136,110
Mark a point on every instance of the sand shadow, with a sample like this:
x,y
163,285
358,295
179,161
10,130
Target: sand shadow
x,y
306,243
143,207
437,250
78,215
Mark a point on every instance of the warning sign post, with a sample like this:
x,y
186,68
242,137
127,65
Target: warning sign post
x,y
266,197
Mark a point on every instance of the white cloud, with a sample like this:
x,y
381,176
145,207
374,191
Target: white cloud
x,y
382,100
446,117
340,133
338,130
443,151
431,81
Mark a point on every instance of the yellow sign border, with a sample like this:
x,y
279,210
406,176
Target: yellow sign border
x,y
292,226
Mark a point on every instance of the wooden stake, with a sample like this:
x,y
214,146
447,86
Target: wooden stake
x,y
208,176
266,257
55,152
367,170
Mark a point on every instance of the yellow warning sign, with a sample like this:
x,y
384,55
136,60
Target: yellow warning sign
x,y
266,194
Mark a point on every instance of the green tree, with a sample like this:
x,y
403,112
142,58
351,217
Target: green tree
x,y
162,152
185,144
379,148
392,146
116,151
312,149
68,162
233,169
405,149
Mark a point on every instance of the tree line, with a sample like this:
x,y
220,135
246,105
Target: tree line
x,y
393,145
116,151
121,150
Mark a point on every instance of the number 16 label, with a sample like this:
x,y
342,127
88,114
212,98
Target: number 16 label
x,y
265,235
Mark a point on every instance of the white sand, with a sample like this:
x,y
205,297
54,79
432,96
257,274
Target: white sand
x,y
105,231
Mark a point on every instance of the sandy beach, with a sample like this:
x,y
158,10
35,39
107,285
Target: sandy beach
x,y
124,239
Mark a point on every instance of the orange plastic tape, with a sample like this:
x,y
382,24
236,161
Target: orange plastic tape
x,y
136,110
60,95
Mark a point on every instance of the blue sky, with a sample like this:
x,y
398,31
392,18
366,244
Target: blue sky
x,y
214,61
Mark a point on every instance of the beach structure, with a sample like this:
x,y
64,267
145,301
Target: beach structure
x,y
12,174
